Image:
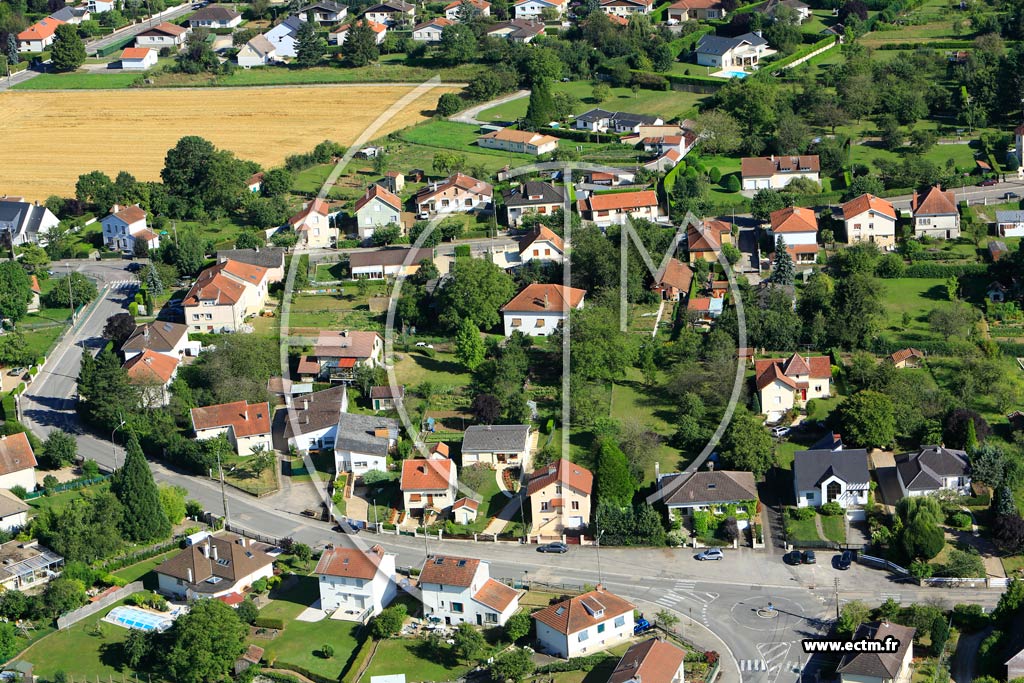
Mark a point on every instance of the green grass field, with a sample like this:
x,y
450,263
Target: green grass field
x,y
631,402
80,81
667,105
916,297
415,659
143,570
801,530
443,370
834,528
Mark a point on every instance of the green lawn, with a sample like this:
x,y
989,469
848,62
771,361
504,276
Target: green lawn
x,y
916,297
492,500
80,81
631,401
326,272
300,642
834,528
289,603
415,659
442,370
59,500
801,529
335,311
142,570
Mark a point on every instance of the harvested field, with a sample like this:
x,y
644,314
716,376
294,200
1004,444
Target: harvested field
x,y
50,138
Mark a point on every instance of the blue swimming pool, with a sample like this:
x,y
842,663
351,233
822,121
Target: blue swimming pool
x,y
133,617
736,74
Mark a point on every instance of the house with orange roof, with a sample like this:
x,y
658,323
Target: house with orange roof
x,y
533,9
338,35
704,241
246,425
452,11
869,219
224,295
785,383
458,193
39,35
429,487
125,226
617,207
165,34
465,510
653,661
584,624
798,228
673,281
907,358
138,58
153,373
430,31
935,213
34,302
541,244
695,10
356,584
17,462
313,226
559,498
522,141
378,207
339,352
540,309
459,590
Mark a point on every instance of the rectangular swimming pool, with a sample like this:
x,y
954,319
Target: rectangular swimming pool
x,y
134,617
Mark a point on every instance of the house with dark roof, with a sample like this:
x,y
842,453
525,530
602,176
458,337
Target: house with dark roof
x,y
385,263
785,383
892,666
935,213
560,498
651,661
776,172
282,37
602,121
13,512
1010,223
429,487
539,309
386,397
24,222
356,584
932,469
215,567
584,624
826,475
72,15
459,590
533,196
742,52
323,12
215,16
713,491
246,426
161,336
391,13
516,30
496,445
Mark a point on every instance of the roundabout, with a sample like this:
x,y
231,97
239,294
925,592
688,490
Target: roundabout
x,y
768,613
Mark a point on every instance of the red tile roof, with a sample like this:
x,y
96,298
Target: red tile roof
x,y
426,475
676,274
316,206
167,28
570,475
136,53
652,661
769,370
381,193
350,562
441,448
16,453
467,503
865,202
708,239
537,298
440,21
521,136
41,30
243,418
794,219
496,595
354,344
905,354
575,614
934,202
134,213
35,285
449,571
541,233
150,366
621,201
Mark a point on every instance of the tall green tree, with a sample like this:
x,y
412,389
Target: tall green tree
x,y
15,290
59,449
68,51
144,519
868,420
458,43
746,444
856,306
203,644
541,109
476,290
75,289
469,346
613,482
361,44
309,46
783,269
921,537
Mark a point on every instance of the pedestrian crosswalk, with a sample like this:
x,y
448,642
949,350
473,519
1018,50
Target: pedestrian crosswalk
x,y
123,284
753,665
686,599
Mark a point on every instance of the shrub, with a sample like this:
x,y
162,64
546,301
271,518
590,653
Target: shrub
x,y
960,520
830,509
702,522
259,585
802,513
969,618
586,663
269,622
19,491
326,651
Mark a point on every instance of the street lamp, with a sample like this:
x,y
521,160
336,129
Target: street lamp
x,y
113,444
600,578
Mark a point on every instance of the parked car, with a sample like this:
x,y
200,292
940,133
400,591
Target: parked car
x,y
556,547
809,558
711,554
780,431
1011,195
423,215
988,183
844,561
793,557
641,626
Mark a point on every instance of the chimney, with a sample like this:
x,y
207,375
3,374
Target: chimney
x,y
772,157
344,333
188,572
547,303
305,404
145,332
711,465
599,588
213,551
205,550
657,470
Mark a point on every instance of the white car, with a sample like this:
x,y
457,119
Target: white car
x,y
779,432
424,345
711,554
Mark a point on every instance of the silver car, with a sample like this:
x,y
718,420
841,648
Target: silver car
x,y
711,554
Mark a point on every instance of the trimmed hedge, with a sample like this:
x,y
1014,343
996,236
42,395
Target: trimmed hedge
x,y
575,664
944,270
934,45
802,52
579,135
270,622
357,661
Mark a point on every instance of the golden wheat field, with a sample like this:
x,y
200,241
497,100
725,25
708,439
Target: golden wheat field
x,y
47,139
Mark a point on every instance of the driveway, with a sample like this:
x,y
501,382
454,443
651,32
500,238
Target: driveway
x,y
966,653
469,115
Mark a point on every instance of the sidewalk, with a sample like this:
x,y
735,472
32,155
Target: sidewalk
x,y
700,637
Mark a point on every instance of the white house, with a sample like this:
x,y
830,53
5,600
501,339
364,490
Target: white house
x,y
533,196
516,30
584,624
356,584
653,661
13,512
166,35
391,13
532,9
430,31
935,214
259,51
246,425
215,16
711,490
215,567
452,11
170,339
602,121
1010,223
25,221
153,373
625,8
871,219
377,208
338,34
460,589
100,6
323,12
933,468
798,228
524,142
496,445
539,309
825,475
72,15
787,382
541,245
616,208
385,263
138,58
775,172
126,225
17,462
880,667
742,52
429,486
458,193
313,225
363,442
225,295
695,10
282,37
39,35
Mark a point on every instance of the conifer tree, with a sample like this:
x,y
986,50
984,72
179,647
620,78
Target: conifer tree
x,y
144,516
783,270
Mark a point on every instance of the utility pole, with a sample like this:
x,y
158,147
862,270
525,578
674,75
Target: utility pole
x,y
223,491
836,585
600,577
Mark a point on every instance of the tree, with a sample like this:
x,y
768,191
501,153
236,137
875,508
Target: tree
x,y
250,240
261,460
600,350
469,347
172,500
956,431
153,280
954,319
1008,531
361,44
118,328
385,235
963,565
486,408
144,519
35,260
73,287
851,616
990,466
921,537
197,56
137,647
87,529
309,46
61,596
720,132
448,104
513,665
187,252
613,482
783,269
855,310
276,182
303,553
469,642
389,622
541,109
868,420
12,48
476,290
458,43
447,162
764,202
15,290
68,51
746,444
203,643
600,92
518,626
59,449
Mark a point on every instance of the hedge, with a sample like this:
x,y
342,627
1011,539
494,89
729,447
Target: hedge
x,y
575,664
579,135
945,270
270,622
134,558
357,661
935,45
802,52
1011,348
275,676
303,671
887,345
115,47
